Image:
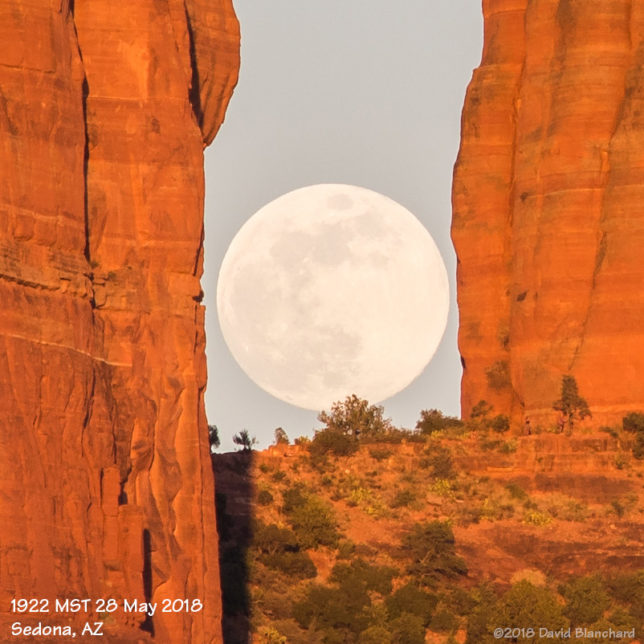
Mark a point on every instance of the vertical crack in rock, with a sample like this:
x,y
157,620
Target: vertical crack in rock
x,y
85,173
194,93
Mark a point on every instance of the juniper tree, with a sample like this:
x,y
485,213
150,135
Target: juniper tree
x,y
571,405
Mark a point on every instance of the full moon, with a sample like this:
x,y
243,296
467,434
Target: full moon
x,y
332,290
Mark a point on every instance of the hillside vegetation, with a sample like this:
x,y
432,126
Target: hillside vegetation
x,y
371,534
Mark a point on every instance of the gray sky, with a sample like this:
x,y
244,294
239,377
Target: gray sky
x,y
364,92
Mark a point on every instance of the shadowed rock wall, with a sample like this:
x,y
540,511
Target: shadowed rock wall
x,y
105,476
548,218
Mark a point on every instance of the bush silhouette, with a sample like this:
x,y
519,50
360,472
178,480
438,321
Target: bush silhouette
x,y
281,437
355,417
244,440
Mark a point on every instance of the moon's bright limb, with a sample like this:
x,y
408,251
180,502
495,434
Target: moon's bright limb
x,y
331,290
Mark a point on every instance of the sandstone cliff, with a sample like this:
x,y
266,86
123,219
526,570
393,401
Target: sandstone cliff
x,y
106,484
548,222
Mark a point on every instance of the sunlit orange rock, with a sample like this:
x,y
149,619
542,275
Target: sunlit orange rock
x,y
106,487
548,221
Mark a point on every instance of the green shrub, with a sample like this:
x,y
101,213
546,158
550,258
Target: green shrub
x,y
469,514
571,405
375,635
380,454
295,564
314,524
568,510
430,546
439,461
433,420
516,491
500,423
611,431
362,576
461,601
618,508
508,447
333,610
354,417
480,413
332,442
293,497
634,422
622,620
264,497
443,621
407,629
480,620
527,606
628,588
346,549
278,548
269,635
281,437
270,538
586,600
403,498
638,447
411,599
534,517
443,487
272,599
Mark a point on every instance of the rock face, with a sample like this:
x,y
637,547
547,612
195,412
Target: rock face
x,y
106,481
548,221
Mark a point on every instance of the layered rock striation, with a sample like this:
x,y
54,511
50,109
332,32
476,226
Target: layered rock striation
x,y
548,220
105,476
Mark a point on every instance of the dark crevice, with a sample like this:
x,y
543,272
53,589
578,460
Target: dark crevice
x,y
193,93
85,168
85,94
148,624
